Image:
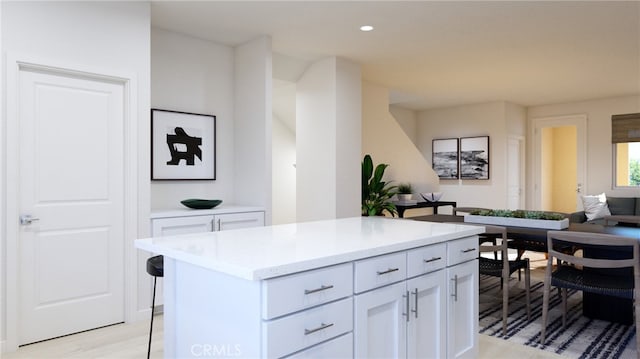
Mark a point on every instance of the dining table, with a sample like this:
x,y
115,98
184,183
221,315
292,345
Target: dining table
x,y
595,306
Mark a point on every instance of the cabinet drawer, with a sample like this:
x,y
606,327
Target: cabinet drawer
x,y
298,331
338,348
294,292
426,259
462,250
378,271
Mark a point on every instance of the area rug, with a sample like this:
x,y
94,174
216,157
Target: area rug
x,y
582,338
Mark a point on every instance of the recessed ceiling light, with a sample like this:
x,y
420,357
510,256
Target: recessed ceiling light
x,y
366,28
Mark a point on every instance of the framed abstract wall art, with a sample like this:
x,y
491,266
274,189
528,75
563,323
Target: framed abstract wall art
x,y
474,158
183,146
445,158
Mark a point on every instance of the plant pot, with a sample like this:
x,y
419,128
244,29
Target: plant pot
x,y
403,197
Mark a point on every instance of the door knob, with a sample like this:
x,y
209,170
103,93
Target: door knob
x,y
27,219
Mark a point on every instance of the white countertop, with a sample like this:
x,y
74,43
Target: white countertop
x,y
221,209
265,252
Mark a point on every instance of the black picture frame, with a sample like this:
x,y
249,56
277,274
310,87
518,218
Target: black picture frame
x,y
183,145
445,157
474,158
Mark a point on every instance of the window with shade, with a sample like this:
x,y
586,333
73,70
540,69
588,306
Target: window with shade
x,y
625,136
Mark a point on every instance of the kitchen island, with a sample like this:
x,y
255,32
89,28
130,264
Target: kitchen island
x,y
353,287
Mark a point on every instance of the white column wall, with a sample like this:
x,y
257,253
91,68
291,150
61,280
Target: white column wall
x,y
348,138
252,133
328,117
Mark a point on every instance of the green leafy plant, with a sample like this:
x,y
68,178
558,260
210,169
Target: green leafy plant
x,y
552,216
376,193
405,188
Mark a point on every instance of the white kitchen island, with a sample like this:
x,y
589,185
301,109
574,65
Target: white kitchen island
x,y
356,287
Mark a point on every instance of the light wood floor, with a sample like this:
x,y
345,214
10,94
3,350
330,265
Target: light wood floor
x,y
130,341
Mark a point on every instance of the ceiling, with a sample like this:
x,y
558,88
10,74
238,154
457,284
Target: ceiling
x,y
438,54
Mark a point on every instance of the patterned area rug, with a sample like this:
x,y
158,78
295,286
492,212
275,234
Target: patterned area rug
x,y
582,338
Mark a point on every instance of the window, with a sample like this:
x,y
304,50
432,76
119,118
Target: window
x,y
625,130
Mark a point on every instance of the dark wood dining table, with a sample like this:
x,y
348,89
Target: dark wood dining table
x,y
535,239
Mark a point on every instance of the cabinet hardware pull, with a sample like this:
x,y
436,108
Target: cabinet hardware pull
x,y
432,259
455,288
322,287
415,292
388,271
219,224
321,327
406,296
468,250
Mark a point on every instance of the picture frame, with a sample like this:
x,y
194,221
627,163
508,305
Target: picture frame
x,y
445,158
183,145
474,158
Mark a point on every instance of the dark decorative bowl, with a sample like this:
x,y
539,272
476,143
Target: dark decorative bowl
x,y
197,203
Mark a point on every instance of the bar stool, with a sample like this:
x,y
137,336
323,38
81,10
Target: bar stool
x,y
155,268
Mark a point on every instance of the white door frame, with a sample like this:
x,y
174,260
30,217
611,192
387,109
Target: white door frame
x,y
14,65
578,120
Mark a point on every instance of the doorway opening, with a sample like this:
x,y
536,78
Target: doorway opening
x,y
560,163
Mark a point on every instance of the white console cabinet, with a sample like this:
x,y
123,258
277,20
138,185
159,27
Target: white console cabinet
x,y
186,221
169,223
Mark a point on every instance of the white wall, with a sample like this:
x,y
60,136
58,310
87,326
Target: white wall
x,y
284,173
386,142
497,120
327,141
252,133
599,147
407,119
193,75
113,36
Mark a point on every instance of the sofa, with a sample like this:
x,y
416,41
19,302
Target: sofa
x,y
618,206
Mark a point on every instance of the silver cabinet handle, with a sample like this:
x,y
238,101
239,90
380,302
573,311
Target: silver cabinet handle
x,y
455,288
321,327
468,250
322,287
415,292
388,271
432,259
26,219
406,296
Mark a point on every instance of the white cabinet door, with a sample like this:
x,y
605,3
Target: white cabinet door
x,y
380,322
427,326
162,227
462,310
223,222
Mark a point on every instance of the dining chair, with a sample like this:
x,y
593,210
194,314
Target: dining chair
x,y
502,267
570,273
469,210
494,239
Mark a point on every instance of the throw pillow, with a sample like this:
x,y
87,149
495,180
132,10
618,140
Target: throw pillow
x,y
595,206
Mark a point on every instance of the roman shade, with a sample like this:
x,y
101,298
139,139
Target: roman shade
x,y
625,128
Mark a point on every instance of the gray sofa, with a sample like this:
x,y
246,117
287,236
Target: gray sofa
x,y
618,206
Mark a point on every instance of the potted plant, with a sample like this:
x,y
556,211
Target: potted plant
x,y
376,193
518,218
405,192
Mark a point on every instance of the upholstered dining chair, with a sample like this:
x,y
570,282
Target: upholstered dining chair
x,y
494,239
569,272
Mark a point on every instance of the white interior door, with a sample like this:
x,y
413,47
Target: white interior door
x,y
71,182
515,173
